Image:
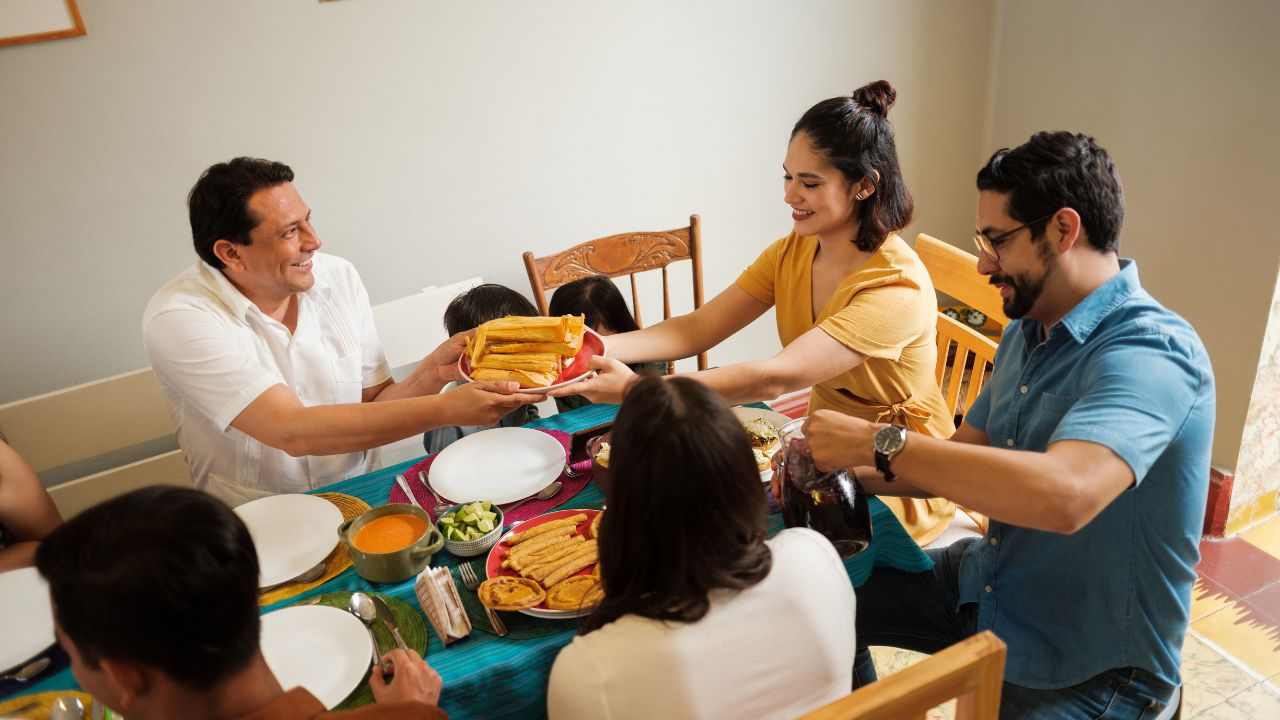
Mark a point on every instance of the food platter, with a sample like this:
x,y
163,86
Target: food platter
x,y
775,420
500,551
577,370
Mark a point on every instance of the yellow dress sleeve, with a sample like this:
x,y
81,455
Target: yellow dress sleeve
x,y
879,322
760,279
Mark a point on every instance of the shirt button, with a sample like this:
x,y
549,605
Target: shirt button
x,y
1009,442
994,540
987,588
1023,389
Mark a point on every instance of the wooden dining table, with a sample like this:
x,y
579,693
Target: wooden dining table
x,y
486,676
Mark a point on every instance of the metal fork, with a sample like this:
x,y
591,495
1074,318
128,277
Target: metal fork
x,y
471,581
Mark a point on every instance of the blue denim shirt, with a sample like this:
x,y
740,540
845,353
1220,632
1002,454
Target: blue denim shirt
x,y
1121,371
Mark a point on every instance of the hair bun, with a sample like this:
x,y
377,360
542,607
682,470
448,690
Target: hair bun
x,y
876,96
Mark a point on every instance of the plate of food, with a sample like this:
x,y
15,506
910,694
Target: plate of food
x,y
764,428
539,353
547,567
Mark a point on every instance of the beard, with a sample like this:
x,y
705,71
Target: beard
x,y
1025,293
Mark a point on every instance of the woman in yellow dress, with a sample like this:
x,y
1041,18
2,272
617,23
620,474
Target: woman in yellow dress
x,y
856,309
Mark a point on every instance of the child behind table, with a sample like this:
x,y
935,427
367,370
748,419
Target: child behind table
x,y
472,308
598,299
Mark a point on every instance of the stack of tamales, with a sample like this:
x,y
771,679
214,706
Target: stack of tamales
x,y
530,350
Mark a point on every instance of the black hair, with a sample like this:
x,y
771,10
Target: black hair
x,y
483,303
596,298
218,204
163,576
854,135
1055,170
679,458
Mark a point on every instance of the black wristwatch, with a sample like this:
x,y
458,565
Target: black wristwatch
x,y
889,441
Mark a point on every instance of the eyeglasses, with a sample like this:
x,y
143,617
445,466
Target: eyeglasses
x,y
990,246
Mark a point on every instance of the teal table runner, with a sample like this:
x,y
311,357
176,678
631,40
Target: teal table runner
x,y
490,677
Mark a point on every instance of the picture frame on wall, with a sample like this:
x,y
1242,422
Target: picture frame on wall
x,y
29,21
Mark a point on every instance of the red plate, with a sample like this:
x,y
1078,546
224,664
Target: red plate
x,y
592,345
493,563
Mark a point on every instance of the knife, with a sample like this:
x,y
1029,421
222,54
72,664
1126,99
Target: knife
x,y
384,614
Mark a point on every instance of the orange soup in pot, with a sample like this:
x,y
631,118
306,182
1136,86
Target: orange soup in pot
x,y
390,533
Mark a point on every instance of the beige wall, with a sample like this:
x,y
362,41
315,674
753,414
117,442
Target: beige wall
x,y
436,141
1183,95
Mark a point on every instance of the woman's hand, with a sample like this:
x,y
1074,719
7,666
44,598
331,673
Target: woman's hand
x,y
608,386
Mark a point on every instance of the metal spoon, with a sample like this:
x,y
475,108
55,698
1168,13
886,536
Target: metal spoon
x,y
28,671
67,707
441,505
545,493
361,606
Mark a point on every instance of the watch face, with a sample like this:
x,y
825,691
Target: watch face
x,y
890,440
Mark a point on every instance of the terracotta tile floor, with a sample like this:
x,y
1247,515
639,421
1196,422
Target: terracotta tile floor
x,y
1231,658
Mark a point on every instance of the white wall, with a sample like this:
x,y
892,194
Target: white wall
x,y
1183,94
436,141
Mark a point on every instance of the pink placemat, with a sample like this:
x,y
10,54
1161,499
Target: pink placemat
x,y
572,485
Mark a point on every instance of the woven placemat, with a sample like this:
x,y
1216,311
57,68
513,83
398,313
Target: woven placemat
x,y
339,560
37,705
411,624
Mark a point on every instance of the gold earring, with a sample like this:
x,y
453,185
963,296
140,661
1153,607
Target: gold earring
x,y
861,196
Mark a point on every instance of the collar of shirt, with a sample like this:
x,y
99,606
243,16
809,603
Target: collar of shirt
x,y
1085,317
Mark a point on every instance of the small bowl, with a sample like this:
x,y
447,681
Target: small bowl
x,y
472,548
600,473
398,565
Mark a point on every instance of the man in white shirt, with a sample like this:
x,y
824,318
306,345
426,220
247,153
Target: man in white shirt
x,y
268,353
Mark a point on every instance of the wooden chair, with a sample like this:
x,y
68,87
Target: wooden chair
x,y
965,356
618,255
955,272
97,424
971,671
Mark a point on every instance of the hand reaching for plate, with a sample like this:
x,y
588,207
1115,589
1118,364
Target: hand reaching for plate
x,y
483,403
608,386
414,680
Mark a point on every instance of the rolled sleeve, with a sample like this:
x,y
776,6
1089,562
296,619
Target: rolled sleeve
x,y
1137,395
879,322
206,363
760,279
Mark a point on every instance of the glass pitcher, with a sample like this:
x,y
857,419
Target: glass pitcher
x,y
832,503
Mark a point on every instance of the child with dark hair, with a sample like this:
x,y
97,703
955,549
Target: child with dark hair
x,y
469,310
598,299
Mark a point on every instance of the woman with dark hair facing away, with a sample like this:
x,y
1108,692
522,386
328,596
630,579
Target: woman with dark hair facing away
x,y
856,310
701,616
598,300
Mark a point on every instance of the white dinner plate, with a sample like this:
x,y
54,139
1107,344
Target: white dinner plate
x,y
27,621
324,649
501,465
293,533
776,419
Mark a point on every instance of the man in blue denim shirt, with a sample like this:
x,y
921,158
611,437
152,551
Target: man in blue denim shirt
x,y
1089,450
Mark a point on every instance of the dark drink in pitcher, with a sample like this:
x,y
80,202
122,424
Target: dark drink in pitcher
x,y
831,503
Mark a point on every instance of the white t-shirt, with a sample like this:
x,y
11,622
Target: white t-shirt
x,y
775,650
215,352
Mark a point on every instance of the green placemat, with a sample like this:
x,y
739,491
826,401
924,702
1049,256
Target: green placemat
x,y
519,625
411,623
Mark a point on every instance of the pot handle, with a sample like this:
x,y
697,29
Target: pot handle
x,y
342,531
432,547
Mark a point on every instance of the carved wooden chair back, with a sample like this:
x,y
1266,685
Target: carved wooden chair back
x,y
618,255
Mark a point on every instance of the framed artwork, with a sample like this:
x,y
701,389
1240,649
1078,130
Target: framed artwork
x,y
28,21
